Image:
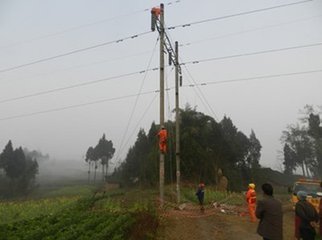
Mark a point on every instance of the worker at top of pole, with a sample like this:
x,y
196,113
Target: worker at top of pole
x,y
251,201
163,136
156,11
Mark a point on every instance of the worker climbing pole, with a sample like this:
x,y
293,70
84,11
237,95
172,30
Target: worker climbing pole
x,y
163,135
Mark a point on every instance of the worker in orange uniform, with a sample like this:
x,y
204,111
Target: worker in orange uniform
x,y
163,135
251,201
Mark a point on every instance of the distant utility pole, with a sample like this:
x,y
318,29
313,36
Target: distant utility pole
x,y
157,16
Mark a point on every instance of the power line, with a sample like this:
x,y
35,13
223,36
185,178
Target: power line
x,y
156,91
237,14
136,126
75,106
83,26
75,85
89,64
248,31
137,98
74,51
141,34
202,98
154,69
252,53
254,78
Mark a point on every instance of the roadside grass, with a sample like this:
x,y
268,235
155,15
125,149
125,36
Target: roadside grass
x,y
211,196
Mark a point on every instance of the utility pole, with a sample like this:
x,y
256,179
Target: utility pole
x,y
157,22
161,99
177,122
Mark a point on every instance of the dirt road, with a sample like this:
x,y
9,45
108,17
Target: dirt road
x,y
191,224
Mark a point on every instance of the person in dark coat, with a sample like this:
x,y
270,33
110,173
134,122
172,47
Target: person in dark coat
x,y
201,194
308,216
270,215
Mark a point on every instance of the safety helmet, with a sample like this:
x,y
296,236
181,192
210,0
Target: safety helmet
x,y
251,185
301,195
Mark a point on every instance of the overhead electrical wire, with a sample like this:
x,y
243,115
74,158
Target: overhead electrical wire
x,y
251,53
74,51
136,126
74,86
71,29
237,14
89,64
254,78
76,105
140,120
248,31
157,91
202,98
137,97
154,69
144,33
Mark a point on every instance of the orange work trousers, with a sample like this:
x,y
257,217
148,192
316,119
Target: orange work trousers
x,y
251,210
163,147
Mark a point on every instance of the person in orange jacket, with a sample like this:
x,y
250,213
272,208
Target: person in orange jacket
x,y
163,135
251,201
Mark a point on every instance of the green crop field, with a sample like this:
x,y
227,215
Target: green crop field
x,y
88,216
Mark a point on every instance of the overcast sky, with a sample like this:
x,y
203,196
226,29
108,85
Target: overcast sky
x,y
39,29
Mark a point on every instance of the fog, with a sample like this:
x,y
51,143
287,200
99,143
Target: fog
x,y
65,123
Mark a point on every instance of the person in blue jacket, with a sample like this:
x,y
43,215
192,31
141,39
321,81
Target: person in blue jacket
x,y
201,194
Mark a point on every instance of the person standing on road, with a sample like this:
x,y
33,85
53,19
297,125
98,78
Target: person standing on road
x,y
201,194
270,215
251,201
308,216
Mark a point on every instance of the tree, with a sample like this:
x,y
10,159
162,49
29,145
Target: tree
x,y
89,159
315,130
289,160
103,151
254,153
206,146
21,170
301,144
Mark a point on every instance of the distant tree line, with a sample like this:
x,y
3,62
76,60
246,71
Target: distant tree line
x,y
303,145
206,147
17,172
99,155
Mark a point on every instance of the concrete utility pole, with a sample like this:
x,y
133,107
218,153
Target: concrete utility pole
x,y
177,122
161,99
157,22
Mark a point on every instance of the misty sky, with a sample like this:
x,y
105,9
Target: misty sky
x,y
37,29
